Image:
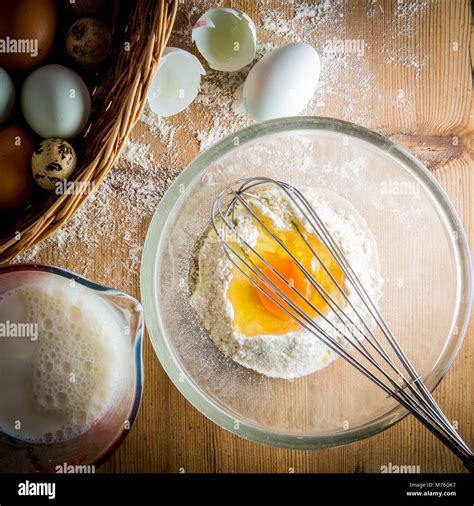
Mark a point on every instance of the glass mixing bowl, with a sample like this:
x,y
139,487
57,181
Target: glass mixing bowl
x,y
424,257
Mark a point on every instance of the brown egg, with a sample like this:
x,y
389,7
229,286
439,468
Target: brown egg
x,y
16,181
27,29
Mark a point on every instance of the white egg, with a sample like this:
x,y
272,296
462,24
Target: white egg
x,y
176,83
282,83
7,95
55,102
226,38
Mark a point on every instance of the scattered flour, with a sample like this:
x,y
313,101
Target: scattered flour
x,y
137,153
407,15
160,127
296,353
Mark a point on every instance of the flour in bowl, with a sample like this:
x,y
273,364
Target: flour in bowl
x,y
296,352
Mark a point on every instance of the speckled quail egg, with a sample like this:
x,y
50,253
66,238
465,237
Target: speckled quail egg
x,y
88,41
53,161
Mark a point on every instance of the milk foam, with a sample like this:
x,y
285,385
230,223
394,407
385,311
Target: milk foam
x,y
59,384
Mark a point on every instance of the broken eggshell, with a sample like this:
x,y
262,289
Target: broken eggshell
x,y
226,38
176,83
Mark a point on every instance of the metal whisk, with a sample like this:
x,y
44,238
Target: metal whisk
x,y
373,350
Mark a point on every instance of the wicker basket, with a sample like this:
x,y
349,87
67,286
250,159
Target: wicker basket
x,y
116,106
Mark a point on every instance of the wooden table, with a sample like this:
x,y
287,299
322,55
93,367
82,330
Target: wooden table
x,y
415,87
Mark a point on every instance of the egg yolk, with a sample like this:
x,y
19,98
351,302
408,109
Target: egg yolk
x,y
256,313
294,279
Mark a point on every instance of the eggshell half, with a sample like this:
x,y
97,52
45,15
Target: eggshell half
x,y
176,83
226,38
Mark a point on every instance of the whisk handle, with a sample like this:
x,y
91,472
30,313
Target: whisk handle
x,y
469,463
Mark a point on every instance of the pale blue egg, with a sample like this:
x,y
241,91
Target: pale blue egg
x,y
55,102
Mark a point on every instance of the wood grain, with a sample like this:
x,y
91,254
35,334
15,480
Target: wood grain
x,y
420,96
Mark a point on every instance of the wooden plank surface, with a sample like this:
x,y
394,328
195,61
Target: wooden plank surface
x,y
413,84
